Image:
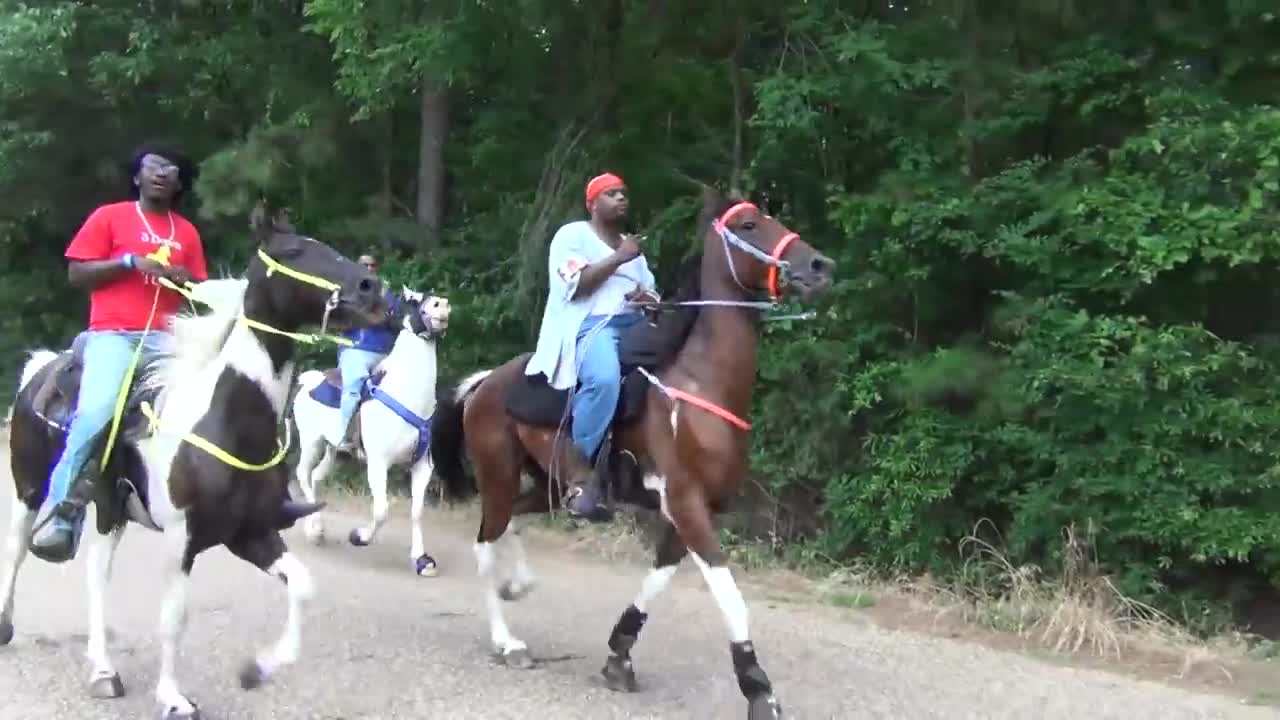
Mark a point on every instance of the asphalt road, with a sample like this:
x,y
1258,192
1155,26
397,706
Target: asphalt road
x,y
383,643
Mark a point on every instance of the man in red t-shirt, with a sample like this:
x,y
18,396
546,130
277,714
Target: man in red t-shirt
x,y
118,255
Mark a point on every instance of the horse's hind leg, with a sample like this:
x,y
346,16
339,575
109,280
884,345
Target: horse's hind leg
x,y
21,519
104,682
618,671
495,522
692,519
269,553
179,558
420,475
521,580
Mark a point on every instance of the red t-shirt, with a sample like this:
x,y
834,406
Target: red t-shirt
x,y
125,302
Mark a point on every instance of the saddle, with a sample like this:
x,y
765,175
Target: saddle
x,y
55,399
329,393
54,402
651,344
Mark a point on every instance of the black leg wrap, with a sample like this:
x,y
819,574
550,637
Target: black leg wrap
x,y
626,631
752,680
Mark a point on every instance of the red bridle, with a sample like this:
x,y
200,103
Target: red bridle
x,y
773,260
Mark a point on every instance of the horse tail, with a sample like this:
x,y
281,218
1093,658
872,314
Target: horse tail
x,y
35,363
447,436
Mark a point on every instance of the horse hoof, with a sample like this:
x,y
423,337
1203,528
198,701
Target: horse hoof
x,y
355,539
619,675
425,566
764,707
251,676
106,688
174,713
518,659
6,632
512,592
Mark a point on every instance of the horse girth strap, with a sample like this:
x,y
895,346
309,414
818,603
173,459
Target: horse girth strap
x,y
217,452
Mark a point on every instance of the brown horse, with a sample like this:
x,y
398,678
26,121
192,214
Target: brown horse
x,y
683,426
225,384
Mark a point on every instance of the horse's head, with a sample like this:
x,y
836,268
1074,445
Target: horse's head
x,y
299,280
426,316
761,253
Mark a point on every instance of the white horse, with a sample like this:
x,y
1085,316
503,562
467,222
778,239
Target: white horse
x,y
389,435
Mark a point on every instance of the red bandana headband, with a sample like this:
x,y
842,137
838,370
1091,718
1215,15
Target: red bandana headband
x,y
601,183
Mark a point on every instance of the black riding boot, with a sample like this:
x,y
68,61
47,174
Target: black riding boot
x,y
587,494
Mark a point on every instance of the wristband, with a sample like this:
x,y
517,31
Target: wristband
x,y
128,260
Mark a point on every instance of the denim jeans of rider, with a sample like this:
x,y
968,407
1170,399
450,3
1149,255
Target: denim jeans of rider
x,y
600,378
106,360
355,365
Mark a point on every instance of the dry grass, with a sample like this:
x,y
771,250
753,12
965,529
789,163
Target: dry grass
x,y
1078,610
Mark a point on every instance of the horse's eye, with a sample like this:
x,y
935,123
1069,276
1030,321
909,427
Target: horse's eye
x,y
748,226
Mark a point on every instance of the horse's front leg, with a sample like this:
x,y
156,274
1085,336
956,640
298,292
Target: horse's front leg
x,y
377,468
177,563
315,460
691,516
104,681
618,671
420,476
268,553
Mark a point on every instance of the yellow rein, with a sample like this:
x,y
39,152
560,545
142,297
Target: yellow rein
x,y
162,256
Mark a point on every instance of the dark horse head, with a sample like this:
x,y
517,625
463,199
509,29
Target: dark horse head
x,y
759,253
297,280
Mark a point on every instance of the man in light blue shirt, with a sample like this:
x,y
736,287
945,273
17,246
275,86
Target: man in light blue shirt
x,y
595,270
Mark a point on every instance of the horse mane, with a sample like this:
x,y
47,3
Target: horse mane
x,y
197,339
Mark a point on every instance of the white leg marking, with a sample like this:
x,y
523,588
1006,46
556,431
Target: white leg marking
x,y
377,470
98,561
499,633
521,580
173,620
728,597
420,475
654,584
15,551
658,484
301,588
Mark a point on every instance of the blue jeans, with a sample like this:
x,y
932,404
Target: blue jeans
x,y
600,376
355,365
106,360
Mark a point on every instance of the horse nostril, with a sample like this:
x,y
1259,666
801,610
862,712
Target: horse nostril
x,y
366,285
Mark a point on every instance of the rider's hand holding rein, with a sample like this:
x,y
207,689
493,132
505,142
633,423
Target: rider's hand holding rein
x,y
176,273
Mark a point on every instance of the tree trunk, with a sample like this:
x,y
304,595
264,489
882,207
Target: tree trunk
x,y
434,128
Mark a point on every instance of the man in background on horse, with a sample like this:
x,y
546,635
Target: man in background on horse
x,y
595,271
355,363
119,255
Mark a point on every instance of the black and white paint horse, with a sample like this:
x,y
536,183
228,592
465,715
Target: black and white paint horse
x,y
204,469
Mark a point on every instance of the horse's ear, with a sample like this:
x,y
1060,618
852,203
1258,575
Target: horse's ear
x,y
261,223
280,221
711,198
